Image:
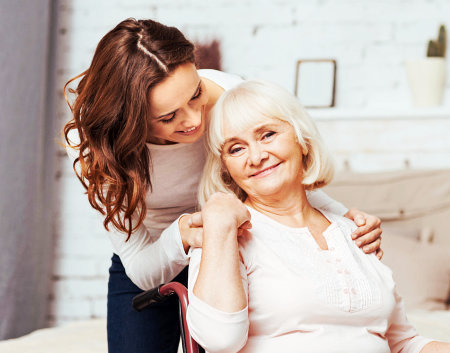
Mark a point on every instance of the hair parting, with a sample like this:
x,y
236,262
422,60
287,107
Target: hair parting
x,y
153,56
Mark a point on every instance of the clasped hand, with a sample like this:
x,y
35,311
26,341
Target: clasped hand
x,y
222,211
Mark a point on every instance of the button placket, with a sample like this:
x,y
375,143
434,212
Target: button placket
x,y
345,278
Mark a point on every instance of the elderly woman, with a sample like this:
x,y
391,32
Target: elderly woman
x,y
293,280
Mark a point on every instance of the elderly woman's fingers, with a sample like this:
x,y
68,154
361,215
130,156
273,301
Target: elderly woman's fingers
x,y
246,225
379,253
224,209
242,230
195,238
196,220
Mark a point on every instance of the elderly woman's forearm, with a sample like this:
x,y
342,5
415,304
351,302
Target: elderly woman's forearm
x,y
436,347
219,282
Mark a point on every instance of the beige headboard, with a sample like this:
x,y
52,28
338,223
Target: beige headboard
x,y
417,202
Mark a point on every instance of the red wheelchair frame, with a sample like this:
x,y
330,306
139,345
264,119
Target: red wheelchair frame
x,y
159,294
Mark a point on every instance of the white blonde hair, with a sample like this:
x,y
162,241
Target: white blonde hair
x,y
246,105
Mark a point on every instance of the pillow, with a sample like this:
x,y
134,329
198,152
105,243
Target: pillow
x,y
421,271
408,198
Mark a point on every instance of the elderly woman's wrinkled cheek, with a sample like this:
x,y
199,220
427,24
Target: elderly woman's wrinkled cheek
x,y
278,171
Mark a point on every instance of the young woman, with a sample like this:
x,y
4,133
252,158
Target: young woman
x,y
137,142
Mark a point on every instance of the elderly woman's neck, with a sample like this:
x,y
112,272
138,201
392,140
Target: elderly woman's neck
x,y
293,210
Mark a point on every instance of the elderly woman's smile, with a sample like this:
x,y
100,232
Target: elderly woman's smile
x,y
264,172
265,159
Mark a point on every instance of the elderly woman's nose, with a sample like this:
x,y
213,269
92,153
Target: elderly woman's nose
x,y
257,154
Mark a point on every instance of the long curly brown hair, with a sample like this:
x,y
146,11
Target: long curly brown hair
x,y
111,114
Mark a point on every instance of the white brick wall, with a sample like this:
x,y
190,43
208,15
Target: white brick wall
x,y
374,143
260,39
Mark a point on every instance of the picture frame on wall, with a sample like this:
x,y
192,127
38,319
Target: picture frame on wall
x,y
315,82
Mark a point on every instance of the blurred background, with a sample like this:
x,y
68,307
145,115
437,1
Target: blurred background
x,y
55,255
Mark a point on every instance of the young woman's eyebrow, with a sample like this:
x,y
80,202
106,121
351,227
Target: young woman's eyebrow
x,y
172,112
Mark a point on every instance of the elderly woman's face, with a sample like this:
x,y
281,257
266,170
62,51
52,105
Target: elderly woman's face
x,y
265,159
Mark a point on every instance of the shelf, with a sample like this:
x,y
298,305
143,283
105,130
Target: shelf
x,y
442,112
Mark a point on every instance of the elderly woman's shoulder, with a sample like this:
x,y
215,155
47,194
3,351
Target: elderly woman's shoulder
x,y
344,223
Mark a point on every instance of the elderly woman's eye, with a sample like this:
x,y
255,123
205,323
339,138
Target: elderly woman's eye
x,y
268,134
234,150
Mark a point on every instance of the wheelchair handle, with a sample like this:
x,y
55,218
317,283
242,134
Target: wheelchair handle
x,y
158,295
141,301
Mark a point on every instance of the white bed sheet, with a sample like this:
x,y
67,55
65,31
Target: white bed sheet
x,y
90,336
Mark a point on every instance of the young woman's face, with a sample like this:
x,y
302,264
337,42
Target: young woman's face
x,y
177,107
265,160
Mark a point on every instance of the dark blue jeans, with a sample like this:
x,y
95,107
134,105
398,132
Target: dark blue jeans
x,y
153,330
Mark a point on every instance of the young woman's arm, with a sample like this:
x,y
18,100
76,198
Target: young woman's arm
x,y
150,260
368,233
319,199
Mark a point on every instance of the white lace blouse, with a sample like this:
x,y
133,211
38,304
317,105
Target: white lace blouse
x,y
304,299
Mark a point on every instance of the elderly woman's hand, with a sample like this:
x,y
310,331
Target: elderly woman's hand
x,y
191,225
225,211
368,234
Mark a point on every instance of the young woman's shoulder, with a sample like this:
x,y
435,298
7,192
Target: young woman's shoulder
x,y
223,79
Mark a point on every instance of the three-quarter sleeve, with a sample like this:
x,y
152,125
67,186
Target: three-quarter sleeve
x,y
215,330
318,199
401,335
